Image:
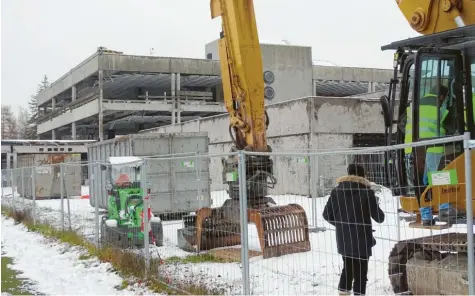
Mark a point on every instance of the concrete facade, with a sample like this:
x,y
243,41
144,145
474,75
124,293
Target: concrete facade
x,y
306,124
296,76
291,65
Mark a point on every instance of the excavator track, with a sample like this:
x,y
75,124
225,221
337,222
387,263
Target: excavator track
x,y
431,248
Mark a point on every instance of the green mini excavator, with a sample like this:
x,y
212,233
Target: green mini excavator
x,y
123,226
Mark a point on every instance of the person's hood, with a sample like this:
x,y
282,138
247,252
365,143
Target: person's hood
x,y
353,178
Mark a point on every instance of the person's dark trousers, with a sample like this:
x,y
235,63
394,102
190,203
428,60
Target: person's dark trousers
x,y
354,269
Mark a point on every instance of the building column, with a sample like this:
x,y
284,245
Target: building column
x,y
73,130
101,99
178,88
53,134
9,160
15,160
73,125
73,93
53,104
173,84
371,87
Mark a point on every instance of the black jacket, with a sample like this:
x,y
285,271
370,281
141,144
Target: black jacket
x,y
351,206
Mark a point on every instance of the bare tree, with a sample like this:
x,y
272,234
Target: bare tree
x,y
23,122
9,123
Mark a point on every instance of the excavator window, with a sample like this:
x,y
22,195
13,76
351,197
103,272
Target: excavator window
x,y
435,110
436,91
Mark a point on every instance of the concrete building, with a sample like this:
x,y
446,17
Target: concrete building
x,y
297,75
306,124
113,93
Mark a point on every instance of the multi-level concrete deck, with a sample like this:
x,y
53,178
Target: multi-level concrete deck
x,y
111,91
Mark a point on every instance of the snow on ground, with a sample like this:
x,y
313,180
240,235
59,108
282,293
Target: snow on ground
x,y
310,273
55,269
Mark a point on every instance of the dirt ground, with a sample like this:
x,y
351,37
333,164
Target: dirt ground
x,y
232,254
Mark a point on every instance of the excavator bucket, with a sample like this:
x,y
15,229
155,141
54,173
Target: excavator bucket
x,y
282,230
208,230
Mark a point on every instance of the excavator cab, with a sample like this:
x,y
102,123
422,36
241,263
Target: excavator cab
x,y
436,100
436,78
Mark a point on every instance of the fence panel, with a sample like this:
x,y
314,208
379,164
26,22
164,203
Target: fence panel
x,y
179,187
233,257
404,256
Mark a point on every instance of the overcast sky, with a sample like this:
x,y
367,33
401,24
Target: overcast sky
x,y
52,36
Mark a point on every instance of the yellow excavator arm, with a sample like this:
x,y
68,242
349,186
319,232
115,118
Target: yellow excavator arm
x,y
434,16
242,72
281,229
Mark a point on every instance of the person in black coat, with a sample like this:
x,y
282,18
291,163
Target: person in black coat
x,y
350,207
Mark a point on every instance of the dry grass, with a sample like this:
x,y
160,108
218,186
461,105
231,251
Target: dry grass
x,y
129,265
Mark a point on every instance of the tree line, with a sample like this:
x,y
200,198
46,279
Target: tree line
x,y
22,125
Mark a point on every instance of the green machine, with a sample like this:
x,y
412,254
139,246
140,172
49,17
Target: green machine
x,y
123,226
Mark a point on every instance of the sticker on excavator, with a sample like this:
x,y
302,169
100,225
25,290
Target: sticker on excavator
x,y
448,177
232,176
188,164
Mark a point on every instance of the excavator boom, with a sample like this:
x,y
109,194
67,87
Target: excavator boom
x,y
281,229
434,16
242,72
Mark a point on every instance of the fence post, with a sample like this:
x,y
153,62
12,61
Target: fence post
x,y
467,144
22,176
315,191
143,178
198,181
93,171
4,183
398,222
14,173
67,199
61,188
244,231
33,192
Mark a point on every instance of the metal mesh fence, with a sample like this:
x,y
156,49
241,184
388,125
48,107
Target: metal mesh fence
x,y
284,223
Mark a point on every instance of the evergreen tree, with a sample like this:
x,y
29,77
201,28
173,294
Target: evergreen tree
x,y
9,123
30,132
